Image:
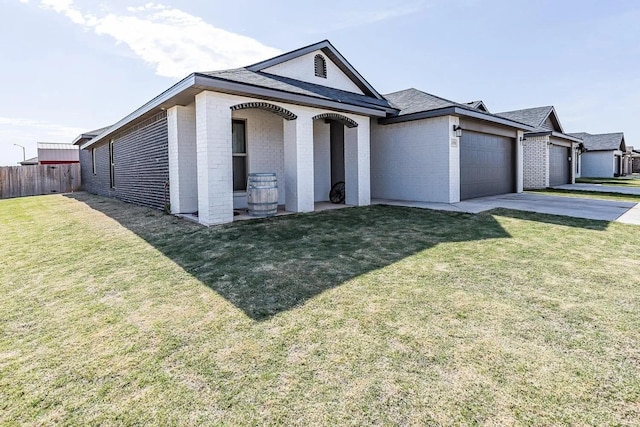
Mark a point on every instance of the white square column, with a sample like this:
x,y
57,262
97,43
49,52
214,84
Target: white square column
x,y
214,163
298,163
183,174
357,164
454,159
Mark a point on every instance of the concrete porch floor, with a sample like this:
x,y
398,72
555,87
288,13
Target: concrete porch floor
x,y
318,207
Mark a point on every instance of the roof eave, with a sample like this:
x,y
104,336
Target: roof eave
x,y
203,82
555,134
454,111
150,106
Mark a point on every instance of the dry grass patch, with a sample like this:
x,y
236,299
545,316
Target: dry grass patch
x,y
116,314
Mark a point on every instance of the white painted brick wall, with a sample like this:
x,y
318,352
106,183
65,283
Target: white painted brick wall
x,y
214,166
298,161
357,159
411,160
183,175
265,148
215,173
535,160
321,160
303,68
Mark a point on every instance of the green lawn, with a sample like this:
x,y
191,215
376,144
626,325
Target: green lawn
x,y
625,181
112,314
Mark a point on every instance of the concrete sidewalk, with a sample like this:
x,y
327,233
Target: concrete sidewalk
x,y
600,188
604,210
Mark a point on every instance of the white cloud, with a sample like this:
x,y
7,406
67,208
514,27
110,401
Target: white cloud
x,y
174,42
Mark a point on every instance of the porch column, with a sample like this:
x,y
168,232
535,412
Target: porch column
x,y
298,163
357,163
214,163
183,175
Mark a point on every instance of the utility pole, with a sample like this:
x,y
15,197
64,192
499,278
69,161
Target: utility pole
x,y
24,157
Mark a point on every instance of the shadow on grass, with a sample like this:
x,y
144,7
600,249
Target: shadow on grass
x,y
567,221
268,266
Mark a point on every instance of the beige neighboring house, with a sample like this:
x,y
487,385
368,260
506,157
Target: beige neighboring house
x,y
550,156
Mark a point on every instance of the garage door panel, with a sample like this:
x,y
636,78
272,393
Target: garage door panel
x,y
559,166
487,165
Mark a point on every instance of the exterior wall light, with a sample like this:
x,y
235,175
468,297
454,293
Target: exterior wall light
x,y
458,130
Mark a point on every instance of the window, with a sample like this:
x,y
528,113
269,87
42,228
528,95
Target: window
x,y
320,65
239,149
112,166
93,160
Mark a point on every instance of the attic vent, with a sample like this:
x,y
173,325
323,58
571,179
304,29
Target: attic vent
x,y
320,66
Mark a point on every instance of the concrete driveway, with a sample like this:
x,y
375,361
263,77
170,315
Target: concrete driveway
x,y
600,188
605,210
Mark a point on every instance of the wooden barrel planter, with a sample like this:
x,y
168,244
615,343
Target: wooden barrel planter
x,y
262,194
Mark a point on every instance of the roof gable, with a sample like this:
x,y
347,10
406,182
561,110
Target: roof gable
x,y
539,117
478,105
298,64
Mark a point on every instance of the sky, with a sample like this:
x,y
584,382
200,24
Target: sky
x,y
73,66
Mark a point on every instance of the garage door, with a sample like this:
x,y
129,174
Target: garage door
x,y
559,166
487,165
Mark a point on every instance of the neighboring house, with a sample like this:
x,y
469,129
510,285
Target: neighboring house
x,y
627,161
550,156
54,154
635,161
602,155
57,154
304,115
436,150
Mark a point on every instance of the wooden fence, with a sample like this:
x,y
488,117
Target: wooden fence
x,y
20,181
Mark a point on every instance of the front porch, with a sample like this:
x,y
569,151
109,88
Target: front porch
x,y
216,141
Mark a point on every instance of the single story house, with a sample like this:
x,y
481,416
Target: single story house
x,y
57,154
550,156
635,160
54,154
602,156
627,161
312,119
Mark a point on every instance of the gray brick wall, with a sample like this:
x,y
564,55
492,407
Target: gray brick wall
x,y
141,157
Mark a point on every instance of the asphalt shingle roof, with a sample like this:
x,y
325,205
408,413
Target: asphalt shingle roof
x,y
271,81
601,142
532,116
410,101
